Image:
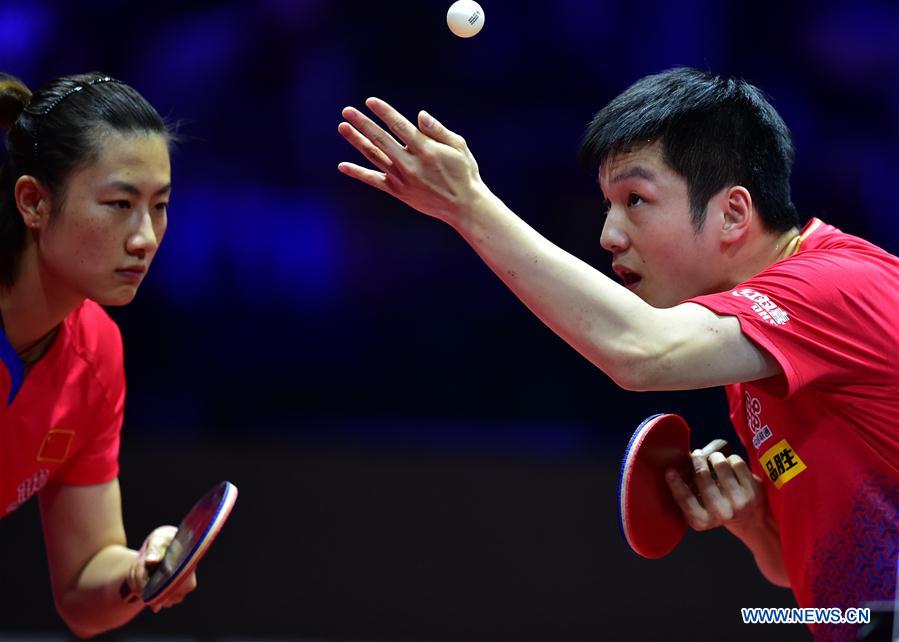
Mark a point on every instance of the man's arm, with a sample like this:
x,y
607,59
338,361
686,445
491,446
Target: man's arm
x,y
640,347
88,558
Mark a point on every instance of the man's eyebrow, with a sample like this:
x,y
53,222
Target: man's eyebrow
x,y
132,189
635,171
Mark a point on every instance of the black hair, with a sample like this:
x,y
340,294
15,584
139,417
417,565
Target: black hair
x,y
54,131
714,131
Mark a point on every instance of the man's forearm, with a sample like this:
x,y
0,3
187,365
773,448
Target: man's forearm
x,y
763,539
602,320
94,605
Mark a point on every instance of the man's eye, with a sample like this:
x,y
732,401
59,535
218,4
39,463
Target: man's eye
x,y
633,199
122,205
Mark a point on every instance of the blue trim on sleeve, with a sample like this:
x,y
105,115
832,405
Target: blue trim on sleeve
x,y
14,365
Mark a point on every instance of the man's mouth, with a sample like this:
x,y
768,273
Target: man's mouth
x,y
629,278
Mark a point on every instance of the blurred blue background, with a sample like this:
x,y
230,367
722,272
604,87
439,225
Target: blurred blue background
x,y
324,342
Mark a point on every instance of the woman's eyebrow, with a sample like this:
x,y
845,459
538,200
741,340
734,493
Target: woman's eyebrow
x,y
133,190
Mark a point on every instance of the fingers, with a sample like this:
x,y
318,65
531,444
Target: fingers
x,y
374,155
157,542
151,553
370,136
743,473
367,176
374,133
709,492
433,128
743,489
695,514
178,595
396,122
149,556
724,489
728,483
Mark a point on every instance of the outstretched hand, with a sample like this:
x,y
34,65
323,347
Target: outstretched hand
x,y
428,167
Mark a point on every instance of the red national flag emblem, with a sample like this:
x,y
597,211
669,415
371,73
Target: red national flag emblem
x,y
56,446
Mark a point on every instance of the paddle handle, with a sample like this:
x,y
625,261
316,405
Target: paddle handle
x,y
714,446
717,446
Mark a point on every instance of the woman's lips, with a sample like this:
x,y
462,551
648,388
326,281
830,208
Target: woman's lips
x,y
133,273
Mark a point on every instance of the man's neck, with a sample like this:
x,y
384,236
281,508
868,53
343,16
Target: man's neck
x,y
769,249
789,241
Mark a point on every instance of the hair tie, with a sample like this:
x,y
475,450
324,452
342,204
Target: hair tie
x,y
52,106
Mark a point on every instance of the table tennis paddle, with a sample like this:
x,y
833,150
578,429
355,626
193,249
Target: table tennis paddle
x,y
650,519
195,533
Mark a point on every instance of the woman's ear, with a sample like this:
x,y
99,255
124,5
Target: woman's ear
x,y
33,201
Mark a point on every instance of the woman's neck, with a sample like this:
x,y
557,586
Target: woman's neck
x,y
32,308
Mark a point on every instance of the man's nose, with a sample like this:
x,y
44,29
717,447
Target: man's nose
x,y
614,237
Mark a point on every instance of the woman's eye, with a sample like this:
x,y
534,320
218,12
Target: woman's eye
x,y
633,199
161,207
121,205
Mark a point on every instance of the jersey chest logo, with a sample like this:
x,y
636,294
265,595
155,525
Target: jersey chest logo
x,y
782,463
760,433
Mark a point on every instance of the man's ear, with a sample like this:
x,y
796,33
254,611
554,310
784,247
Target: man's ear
x,y
33,201
737,214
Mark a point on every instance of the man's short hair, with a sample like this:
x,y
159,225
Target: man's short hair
x,y
713,130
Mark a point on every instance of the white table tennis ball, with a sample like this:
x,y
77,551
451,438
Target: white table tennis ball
x,y
465,18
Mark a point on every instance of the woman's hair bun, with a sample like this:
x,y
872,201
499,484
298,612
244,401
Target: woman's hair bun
x,y
14,97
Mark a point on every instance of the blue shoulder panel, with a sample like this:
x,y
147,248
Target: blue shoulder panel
x,y
13,364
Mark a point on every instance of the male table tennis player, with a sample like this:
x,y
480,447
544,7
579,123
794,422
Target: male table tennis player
x,y
720,287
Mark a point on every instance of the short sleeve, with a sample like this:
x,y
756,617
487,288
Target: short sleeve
x,y
97,459
826,316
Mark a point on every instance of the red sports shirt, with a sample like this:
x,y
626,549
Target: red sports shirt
x,y
62,422
825,435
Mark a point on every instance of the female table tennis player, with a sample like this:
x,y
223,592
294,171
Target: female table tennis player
x,y
83,197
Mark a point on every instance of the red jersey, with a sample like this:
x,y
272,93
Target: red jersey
x,y
825,434
62,422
